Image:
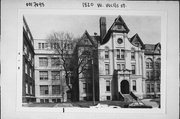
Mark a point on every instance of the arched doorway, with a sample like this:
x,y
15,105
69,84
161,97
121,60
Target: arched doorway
x,y
124,87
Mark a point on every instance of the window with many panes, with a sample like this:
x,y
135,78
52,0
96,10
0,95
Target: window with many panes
x,y
108,85
134,85
43,61
55,75
44,90
43,45
55,62
55,89
108,97
107,69
43,75
149,64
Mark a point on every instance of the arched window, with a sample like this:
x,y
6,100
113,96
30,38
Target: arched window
x,y
149,64
106,52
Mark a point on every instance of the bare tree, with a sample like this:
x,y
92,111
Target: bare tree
x,y
62,45
73,61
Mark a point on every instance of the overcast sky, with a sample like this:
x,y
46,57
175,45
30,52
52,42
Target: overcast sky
x,y
148,27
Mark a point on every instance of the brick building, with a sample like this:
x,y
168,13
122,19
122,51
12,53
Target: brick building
x,y
28,82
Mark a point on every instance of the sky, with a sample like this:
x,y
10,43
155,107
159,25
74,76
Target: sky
x,y
147,27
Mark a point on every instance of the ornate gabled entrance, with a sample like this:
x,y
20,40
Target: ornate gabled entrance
x,y
124,87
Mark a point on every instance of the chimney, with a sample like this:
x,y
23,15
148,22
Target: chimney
x,y
102,22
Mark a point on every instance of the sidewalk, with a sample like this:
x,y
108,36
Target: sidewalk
x,y
150,103
63,105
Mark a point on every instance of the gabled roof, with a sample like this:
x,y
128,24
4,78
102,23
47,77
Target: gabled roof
x,y
152,48
118,26
136,41
91,40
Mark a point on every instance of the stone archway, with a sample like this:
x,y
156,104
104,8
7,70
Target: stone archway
x,y
124,87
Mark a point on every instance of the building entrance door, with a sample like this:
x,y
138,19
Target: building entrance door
x,y
124,87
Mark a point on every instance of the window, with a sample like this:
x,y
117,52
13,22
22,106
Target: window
x,y
46,45
30,56
108,97
43,75
44,90
46,100
106,54
107,85
41,100
55,75
149,75
134,85
158,63
27,90
30,72
56,45
43,61
31,91
158,74
133,69
107,69
118,54
118,67
55,89
148,88
152,87
132,55
123,66
25,49
55,61
32,61
149,64
122,54
85,98
84,87
158,87
26,68
43,45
